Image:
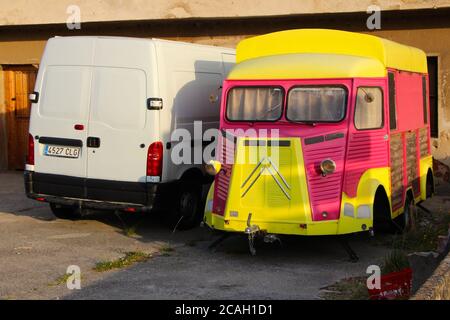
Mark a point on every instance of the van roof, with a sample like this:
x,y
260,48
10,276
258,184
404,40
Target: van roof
x,y
331,51
116,38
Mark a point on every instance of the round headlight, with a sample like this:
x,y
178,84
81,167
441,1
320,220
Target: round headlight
x,y
213,167
327,166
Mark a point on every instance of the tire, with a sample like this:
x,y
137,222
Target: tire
x,y
405,222
429,186
187,210
65,212
382,221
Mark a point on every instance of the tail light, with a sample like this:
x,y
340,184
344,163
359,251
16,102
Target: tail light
x,y
30,156
154,162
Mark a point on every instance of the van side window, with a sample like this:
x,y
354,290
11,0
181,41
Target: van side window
x,y
425,99
369,108
392,112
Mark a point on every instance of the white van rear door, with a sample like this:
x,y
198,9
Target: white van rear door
x,y
117,139
61,120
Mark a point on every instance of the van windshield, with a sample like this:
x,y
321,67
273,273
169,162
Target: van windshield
x,y
316,104
255,103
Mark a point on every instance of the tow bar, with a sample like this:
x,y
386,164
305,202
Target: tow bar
x,y
251,231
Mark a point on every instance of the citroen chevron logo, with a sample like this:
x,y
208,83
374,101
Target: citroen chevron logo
x,y
266,164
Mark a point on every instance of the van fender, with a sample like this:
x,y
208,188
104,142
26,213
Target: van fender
x,y
357,213
208,215
426,164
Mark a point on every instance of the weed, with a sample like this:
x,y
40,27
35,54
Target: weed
x,y
165,250
395,261
127,260
347,289
130,231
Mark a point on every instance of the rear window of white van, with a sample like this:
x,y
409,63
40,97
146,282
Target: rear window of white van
x,y
119,97
65,92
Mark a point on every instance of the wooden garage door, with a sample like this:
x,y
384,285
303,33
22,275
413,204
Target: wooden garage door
x,y
19,83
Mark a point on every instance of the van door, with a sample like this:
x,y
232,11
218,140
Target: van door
x,y
117,139
59,125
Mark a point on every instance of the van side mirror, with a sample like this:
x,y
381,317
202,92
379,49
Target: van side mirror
x,y
154,103
369,97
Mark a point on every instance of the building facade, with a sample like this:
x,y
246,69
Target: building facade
x,y
24,29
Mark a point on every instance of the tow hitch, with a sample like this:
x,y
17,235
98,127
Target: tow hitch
x,y
251,231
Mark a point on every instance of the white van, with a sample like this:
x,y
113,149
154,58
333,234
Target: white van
x,y
102,116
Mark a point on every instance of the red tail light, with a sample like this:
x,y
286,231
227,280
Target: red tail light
x,y
30,156
154,159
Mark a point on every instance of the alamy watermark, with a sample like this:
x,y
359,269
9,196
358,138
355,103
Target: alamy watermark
x,y
73,21
374,280
73,281
374,20
198,146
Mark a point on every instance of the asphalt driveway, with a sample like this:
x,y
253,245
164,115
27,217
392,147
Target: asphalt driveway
x,y
36,249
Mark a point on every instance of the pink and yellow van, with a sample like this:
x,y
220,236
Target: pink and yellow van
x,y
352,142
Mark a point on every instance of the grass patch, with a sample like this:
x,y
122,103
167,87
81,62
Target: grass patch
x,y
347,289
129,259
62,280
395,261
424,237
130,231
166,250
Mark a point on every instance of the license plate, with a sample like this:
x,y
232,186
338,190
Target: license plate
x,y
61,151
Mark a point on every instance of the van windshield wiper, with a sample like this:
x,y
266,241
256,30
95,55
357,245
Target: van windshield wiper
x,y
309,123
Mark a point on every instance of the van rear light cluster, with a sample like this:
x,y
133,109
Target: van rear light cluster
x,y
30,156
154,162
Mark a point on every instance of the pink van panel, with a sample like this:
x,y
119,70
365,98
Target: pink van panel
x,y
222,180
325,191
366,149
409,101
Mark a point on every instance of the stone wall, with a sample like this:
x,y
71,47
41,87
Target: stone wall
x,y
437,287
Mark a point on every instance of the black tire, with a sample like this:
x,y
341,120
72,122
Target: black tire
x,y
429,186
65,212
382,221
187,209
405,221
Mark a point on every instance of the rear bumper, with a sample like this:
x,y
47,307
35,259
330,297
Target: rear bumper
x,y
93,193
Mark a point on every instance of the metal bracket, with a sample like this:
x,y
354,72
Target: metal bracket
x,y
251,231
352,254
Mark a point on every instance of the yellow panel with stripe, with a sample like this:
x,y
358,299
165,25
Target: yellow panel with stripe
x,y
270,183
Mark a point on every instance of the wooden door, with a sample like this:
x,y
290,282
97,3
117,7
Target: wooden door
x,y
19,83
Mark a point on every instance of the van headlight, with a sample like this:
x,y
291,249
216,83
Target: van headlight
x,y
213,167
327,166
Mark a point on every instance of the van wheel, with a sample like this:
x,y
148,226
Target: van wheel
x,y
429,186
405,222
187,212
65,212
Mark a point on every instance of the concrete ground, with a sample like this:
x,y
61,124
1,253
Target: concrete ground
x,y
36,249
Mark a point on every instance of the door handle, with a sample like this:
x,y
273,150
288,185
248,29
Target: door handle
x,y
93,142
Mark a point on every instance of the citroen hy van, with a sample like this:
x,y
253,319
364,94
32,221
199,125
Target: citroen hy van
x,y
342,139
102,116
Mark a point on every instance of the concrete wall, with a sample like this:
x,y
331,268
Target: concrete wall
x,y
22,12
437,287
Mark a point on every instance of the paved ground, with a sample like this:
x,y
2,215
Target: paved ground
x,y
36,248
